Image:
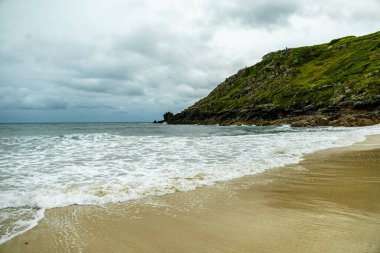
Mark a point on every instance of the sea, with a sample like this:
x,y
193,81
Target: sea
x,y
45,166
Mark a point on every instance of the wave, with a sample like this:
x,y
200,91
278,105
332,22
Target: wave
x,y
40,172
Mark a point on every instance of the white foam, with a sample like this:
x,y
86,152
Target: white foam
x,y
44,172
20,225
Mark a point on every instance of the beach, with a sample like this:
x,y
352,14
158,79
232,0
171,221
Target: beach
x,y
329,202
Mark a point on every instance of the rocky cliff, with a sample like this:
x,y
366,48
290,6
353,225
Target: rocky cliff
x,y
337,83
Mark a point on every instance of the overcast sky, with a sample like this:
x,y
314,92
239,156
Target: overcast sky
x,y
124,60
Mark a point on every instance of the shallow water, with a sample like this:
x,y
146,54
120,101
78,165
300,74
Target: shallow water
x,y
52,165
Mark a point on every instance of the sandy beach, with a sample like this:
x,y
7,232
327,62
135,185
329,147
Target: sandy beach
x,y
329,202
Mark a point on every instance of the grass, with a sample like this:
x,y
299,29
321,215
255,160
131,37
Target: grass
x,y
348,68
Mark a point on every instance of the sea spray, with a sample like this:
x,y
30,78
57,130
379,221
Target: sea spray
x,y
53,165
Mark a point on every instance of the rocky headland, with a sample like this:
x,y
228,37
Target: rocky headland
x,y
336,84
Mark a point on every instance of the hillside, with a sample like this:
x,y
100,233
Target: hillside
x,y
337,83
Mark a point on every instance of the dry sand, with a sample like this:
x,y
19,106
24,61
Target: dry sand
x,y
330,202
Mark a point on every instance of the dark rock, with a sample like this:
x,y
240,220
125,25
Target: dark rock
x,y
366,104
322,121
365,122
329,109
168,116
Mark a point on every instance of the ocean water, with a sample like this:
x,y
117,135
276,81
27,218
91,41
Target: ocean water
x,y
53,165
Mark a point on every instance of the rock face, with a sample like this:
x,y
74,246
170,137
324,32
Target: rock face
x,y
168,116
330,84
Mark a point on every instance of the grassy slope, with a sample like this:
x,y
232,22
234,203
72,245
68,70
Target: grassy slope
x,y
343,72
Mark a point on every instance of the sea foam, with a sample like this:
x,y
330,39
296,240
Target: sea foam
x,y
40,171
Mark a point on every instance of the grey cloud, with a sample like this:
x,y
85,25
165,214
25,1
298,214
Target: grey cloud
x,y
160,56
189,91
8,58
144,40
260,13
95,85
24,98
104,72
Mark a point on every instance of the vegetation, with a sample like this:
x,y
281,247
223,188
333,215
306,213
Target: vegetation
x,y
344,73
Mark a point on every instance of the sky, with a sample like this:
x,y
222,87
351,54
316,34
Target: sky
x,y
124,60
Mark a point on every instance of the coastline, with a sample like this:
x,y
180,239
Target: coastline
x,y
336,117
326,203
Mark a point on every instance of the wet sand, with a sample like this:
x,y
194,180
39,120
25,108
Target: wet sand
x,y
330,202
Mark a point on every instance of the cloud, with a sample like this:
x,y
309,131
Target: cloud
x,y
24,98
259,13
146,57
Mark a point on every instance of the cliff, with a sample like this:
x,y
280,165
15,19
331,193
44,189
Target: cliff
x,y
337,83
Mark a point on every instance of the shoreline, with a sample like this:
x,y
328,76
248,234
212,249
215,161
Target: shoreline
x,y
181,222
323,117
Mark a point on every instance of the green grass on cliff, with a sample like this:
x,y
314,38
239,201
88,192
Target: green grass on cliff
x,y
337,73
